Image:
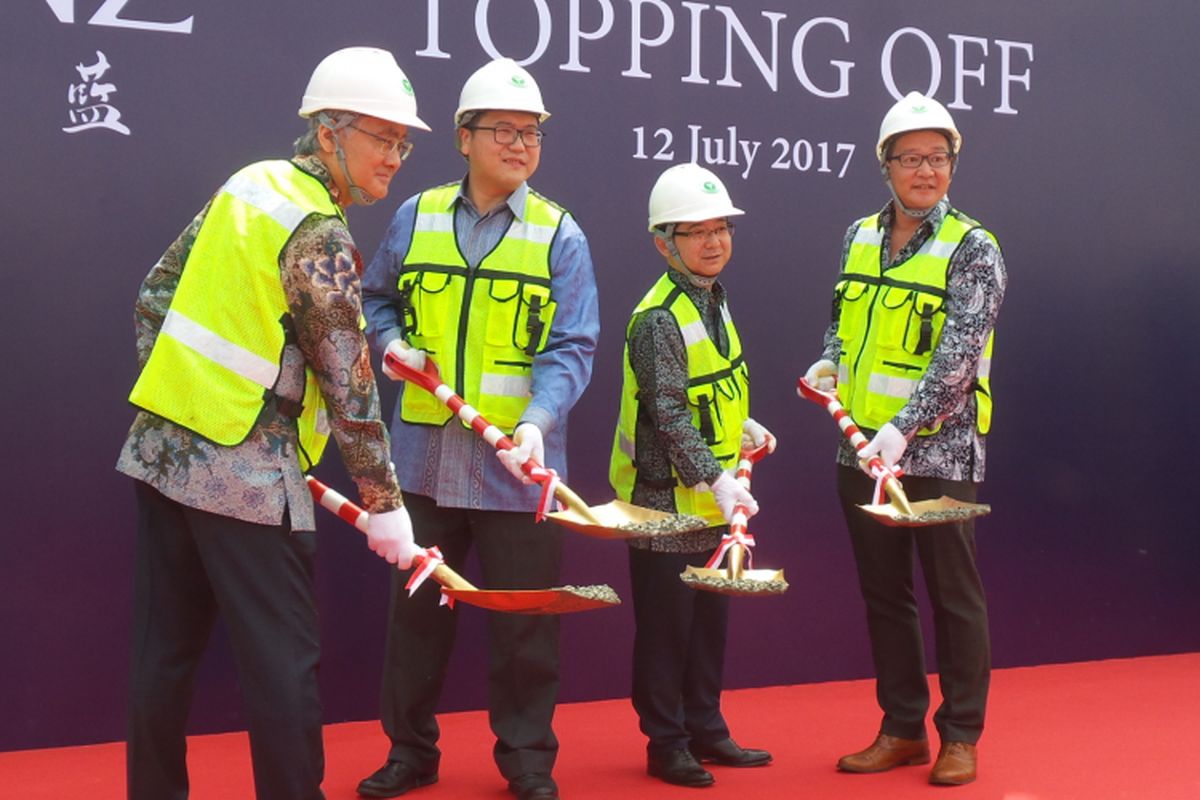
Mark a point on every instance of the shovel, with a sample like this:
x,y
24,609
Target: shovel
x,y
899,512
560,600
613,520
734,579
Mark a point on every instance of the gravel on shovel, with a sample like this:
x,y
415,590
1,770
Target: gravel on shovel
x,y
738,586
601,593
665,526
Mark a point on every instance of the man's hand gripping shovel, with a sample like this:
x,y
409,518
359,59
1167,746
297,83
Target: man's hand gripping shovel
x,y
900,512
735,547
560,600
613,520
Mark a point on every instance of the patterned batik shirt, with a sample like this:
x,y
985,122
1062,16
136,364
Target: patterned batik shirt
x,y
975,285
260,480
665,436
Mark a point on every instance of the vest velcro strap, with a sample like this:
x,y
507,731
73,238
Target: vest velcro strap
x,y
706,421
534,325
229,355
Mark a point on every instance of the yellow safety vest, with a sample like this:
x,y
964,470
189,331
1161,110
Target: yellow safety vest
x,y
891,323
482,326
217,356
718,398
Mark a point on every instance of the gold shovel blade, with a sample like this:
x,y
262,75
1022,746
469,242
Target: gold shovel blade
x,y
559,600
621,520
926,512
751,582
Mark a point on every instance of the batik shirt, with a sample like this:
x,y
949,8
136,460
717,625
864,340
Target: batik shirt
x,y
665,435
975,285
260,480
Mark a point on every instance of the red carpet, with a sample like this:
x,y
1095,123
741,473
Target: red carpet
x,y
1107,730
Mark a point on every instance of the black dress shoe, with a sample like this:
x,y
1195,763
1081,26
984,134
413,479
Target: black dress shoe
x,y
534,786
727,753
678,767
394,779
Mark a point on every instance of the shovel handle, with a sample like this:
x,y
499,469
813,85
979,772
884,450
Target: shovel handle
x,y
842,417
740,523
351,512
430,380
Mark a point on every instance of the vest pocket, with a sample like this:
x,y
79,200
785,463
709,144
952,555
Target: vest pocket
x,y
427,305
909,321
851,298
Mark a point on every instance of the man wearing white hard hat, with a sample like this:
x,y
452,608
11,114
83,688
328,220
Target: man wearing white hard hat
x,y
494,282
909,352
685,402
251,357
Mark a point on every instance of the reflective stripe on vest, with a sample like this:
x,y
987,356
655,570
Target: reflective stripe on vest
x,y
890,323
718,399
214,363
483,326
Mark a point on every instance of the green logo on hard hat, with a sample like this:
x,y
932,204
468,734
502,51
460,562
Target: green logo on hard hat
x,y
710,187
518,81
407,86
919,109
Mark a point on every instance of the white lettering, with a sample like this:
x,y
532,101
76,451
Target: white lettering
x,y
575,33
733,25
935,62
843,67
695,9
433,47
107,14
484,33
637,42
64,10
961,72
1006,77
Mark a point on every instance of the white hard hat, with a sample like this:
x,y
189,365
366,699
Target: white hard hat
x,y
502,84
916,112
689,193
365,80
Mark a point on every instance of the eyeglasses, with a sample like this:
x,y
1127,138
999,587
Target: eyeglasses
x,y
386,146
913,160
702,234
530,137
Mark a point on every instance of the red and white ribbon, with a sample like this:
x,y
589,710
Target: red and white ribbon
x,y
882,474
548,478
735,536
433,558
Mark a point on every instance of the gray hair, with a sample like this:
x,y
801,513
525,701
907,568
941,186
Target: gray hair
x,y
307,144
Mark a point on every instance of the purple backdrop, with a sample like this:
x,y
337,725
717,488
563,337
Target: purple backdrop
x,y
1079,121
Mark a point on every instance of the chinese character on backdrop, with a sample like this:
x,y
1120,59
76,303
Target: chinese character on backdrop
x,y
89,99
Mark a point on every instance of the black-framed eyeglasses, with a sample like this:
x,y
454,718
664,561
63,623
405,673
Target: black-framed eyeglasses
x,y
723,231
913,160
387,146
503,134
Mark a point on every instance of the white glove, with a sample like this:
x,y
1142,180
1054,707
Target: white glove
x,y
528,440
889,444
410,356
729,493
822,375
390,535
755,436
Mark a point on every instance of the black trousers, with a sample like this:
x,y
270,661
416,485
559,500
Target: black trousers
x,y
515,553
192,566
678,652
884,556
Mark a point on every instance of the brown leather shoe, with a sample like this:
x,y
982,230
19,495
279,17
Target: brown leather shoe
x,y
885,753
955,764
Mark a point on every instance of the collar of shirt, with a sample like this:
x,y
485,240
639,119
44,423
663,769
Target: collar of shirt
x,y
927,228
515,202
315,167
712,297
